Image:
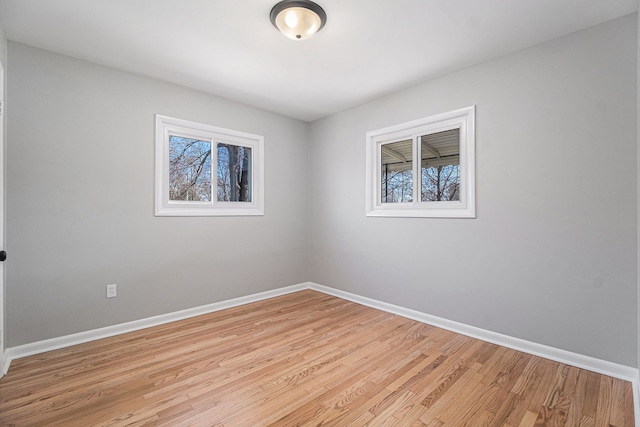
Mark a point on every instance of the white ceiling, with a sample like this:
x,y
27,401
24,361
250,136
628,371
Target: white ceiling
x,y
229,48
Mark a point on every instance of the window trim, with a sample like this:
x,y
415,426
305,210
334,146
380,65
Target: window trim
x,y
165,207
464,119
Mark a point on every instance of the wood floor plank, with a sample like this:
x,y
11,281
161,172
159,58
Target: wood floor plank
x,y
304,359
605,395
528,420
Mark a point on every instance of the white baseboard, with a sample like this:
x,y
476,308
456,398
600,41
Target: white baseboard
x,y
574,359
82,337
604,367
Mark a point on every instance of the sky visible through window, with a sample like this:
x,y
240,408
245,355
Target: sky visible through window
x,y
189,169
439,171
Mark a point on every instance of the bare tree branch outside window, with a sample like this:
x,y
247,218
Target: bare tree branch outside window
x,y
189,169
441,183
397,186
397,176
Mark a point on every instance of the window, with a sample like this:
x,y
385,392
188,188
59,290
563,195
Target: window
x,y
203,170
423,168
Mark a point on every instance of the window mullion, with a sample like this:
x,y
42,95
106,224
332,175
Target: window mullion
x,y
417,181
214,172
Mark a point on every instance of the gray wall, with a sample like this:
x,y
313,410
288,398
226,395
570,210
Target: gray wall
x,y
638,178
552,256
3,60
3,48
80,202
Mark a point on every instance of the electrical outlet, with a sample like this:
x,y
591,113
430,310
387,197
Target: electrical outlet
x,y
111,291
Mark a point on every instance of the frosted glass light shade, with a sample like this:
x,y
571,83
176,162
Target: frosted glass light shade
x,y
298,20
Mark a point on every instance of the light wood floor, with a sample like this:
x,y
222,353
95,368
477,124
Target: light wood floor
x,y
304,359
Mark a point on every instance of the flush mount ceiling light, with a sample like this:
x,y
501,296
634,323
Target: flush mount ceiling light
x,y
298,19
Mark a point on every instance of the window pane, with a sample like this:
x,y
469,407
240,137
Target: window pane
x,y
234,173
440,157
397,172
189,169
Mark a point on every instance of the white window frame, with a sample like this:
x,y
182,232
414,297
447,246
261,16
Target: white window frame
x,y
167,126
464,119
